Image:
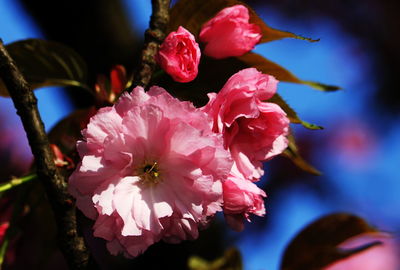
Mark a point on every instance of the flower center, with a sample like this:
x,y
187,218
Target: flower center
x,y
149,173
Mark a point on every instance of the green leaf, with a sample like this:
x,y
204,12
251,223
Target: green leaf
x,y
231,260
291,114
310,126
280,73
321,86
197,263
47,63
316,245
292,152
192,14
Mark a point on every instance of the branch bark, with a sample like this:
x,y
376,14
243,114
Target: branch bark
x,y
71,244
153,37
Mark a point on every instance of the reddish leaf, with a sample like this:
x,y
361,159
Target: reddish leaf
x,y
268,67
316,245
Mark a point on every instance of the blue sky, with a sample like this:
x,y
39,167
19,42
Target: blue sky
x,y
16,24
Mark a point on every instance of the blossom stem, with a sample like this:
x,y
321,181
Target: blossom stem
x,y
54,181
3,250
12,230
153,37
16,182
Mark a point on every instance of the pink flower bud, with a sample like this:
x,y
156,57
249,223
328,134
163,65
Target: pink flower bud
x,y
241,198
60,160
229,33
118,79
108,89
3,229
179,55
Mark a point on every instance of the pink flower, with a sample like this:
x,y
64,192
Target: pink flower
x,y
383,256
229,33
179,55
253,130
151,169
241,198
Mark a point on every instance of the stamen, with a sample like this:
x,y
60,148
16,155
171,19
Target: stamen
x,y
149,173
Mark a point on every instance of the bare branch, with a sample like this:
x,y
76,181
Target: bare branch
x,y
152,40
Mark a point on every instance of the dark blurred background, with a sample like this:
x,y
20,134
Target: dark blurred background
x,y
358,151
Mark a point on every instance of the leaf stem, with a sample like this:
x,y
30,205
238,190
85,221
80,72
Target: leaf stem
x,y
3,249
16,182
157,74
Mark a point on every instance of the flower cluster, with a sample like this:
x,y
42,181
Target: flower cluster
x,y
155,168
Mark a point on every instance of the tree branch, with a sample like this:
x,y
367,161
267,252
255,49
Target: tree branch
x,y
71,244
153,37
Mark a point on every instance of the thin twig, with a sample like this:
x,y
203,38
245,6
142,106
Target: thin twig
x,y
16,182
71,244
153,37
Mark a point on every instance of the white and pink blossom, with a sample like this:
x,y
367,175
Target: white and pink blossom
x,y
151,169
